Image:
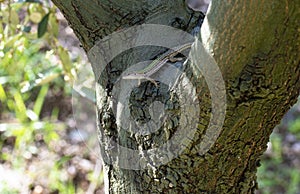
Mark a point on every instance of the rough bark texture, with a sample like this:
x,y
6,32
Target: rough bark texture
x,y
256,45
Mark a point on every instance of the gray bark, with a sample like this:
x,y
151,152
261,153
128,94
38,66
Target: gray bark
x,y
256,45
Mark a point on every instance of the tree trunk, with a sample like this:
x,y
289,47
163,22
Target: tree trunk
x,y
256,46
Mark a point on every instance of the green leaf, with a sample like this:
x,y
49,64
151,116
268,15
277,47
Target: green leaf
x,y
62,161
2,94
27,29
66,61
42,27
54,25
40,99
20,107
14,17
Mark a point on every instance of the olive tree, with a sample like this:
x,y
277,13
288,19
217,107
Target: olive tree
x,y
255,45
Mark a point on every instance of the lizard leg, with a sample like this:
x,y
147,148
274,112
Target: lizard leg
x,y
174,59
152,80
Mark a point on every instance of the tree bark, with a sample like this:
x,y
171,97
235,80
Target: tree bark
x,y
256,45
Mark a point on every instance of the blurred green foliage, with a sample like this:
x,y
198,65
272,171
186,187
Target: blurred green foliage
x,y
279,171
294,127
29,63
32,62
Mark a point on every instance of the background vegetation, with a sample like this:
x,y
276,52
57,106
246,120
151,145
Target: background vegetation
x,y
43,150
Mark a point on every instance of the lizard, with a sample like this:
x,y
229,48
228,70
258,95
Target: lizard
x,y
155,65
196,5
